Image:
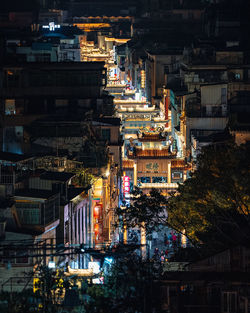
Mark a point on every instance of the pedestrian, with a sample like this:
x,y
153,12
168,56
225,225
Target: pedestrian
x,y
156,252
155,237
174,237
166,253
165,239
162,258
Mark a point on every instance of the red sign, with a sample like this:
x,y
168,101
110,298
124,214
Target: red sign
x,y
126,184
98,226
166,107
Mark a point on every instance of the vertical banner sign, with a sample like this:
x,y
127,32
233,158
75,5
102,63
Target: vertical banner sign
x,y
167,98
98,222
126,185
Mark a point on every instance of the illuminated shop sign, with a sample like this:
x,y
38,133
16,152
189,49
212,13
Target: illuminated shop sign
x,y
52,26
143,78
97,214
126,184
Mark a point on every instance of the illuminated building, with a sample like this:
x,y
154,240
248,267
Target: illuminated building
x,y
105,190
156,164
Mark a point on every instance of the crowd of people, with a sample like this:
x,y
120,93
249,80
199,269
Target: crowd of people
x,y
171,242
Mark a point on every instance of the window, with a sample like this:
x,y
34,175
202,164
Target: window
x,y
237,76
66,231
176,175
216,110
31,216
106,134
8,256
229,302
2,228
166,69
144,180
75,226
160,179
29,213
10,108
224,96
12,77
61,102
22,257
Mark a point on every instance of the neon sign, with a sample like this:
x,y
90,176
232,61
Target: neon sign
x,y
126,184
52,26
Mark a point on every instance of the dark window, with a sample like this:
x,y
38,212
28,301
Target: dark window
x,y
22,257
144,180
166,69
106,134
66,231
216,110
223,95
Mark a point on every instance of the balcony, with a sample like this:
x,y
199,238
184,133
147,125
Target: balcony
x,y
159,185
139,153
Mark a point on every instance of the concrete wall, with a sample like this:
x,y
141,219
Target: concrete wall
x,y
211,95
204,123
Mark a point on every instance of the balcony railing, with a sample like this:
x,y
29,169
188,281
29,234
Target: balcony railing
x,y
159,185
151,153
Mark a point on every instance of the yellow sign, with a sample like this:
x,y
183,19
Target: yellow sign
x,y
35,284
91,26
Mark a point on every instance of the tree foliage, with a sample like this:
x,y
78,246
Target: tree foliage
x,y
213,205
127,287
144,211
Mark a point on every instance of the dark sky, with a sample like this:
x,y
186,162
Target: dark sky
x,y
17,5
27,5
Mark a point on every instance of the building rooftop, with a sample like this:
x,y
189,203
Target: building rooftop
x,y
13,157
57,176
76,191
127,164
35,193
60,65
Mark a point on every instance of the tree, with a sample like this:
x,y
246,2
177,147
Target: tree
x,y
144,211
213,205
127,286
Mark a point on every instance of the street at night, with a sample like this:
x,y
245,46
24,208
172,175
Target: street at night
x,y
125,156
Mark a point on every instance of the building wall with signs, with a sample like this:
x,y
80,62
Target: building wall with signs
x,y
158,171
153,170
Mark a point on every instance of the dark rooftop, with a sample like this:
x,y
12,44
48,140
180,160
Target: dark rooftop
x,y
58,176
108,120
35,193
75,191
13,157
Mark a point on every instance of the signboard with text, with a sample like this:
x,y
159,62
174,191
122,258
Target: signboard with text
x,y
126,184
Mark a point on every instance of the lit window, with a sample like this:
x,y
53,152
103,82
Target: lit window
x,y
159,180
176,175
10,108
